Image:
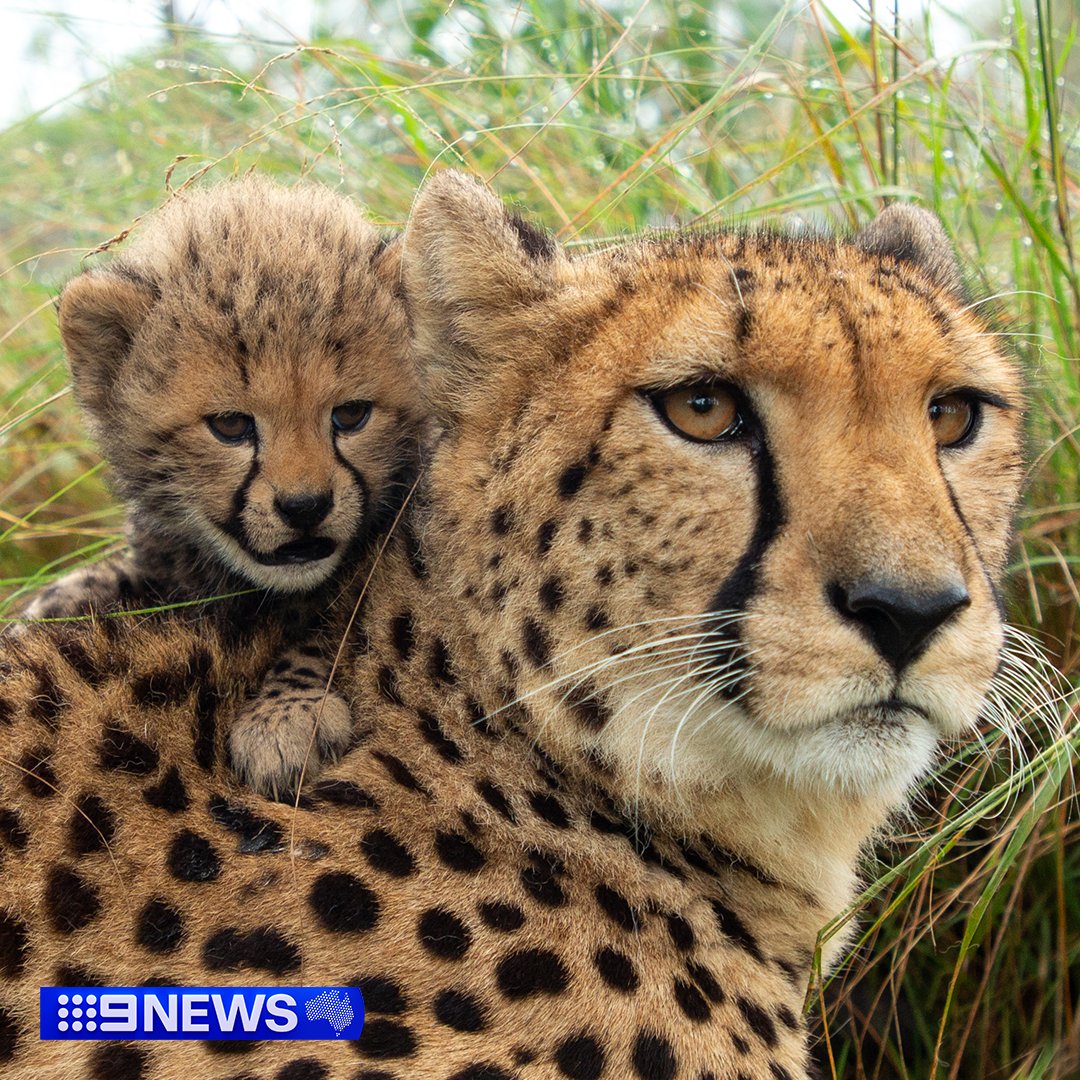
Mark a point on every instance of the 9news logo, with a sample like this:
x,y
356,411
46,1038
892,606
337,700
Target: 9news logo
x,y
201,1012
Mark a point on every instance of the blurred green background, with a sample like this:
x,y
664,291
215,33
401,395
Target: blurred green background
x,y
599,119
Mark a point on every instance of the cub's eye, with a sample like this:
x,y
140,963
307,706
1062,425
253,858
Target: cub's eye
x,y
351,416
232,427
953,418
704,412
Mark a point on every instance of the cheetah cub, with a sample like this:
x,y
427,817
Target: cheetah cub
x,y
244,367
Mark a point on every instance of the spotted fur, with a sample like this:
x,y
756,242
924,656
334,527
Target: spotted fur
x,y
526,865
277,304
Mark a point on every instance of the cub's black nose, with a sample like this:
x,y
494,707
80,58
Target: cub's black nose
x,y
898,620
303,511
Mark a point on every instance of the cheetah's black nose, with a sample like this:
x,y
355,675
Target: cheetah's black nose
x,y
303,511
899,621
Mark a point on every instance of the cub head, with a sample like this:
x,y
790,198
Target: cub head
x,y
723,505
245,368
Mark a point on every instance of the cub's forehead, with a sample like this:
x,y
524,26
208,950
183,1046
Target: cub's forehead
x,y
789,313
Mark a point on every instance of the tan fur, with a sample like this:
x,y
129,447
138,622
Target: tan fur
x,y
660,888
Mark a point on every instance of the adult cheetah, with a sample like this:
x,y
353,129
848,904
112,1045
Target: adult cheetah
x,y
700,571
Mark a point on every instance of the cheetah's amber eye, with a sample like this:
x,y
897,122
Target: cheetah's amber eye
x,y
351,416
233,427
704,412
953,418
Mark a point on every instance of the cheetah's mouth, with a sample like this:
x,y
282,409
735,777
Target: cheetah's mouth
x,y
297,552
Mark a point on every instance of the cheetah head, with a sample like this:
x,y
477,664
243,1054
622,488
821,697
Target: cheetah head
x,y
244,367
725,504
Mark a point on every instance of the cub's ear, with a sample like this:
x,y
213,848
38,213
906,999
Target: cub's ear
x,y
478,279
100,313
914,235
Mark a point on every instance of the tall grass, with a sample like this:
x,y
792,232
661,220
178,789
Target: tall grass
x,y
607,118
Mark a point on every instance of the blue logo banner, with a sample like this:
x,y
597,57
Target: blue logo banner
x,y
201,1012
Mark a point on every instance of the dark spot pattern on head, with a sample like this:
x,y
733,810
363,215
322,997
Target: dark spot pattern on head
x,y
256,833
653,1057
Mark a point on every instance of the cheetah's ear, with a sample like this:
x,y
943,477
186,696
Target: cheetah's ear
x,y
914,235
478,280
100,313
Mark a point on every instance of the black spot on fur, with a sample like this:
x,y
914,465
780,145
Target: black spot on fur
x,y
460,1011
530,972
502,520
545,536
682,934
494,797
70,902
616,908
118,1061
690,1000
731,925
617,970
382,995
92,825
536,642
550,809
167,686
343,903
505,918
169,793
263,948
256,833
587,708
47,702
571,479
229,1047
443,934
787,1018
160,927
403,634
37,774
344,793
458,852
400,772
13,945
580,1058
383,1039
302,1069
541,880
385,852
551,594
759,1021
435,737
386,681
192,858
439,666
653,1057
706,982
596,618
121,751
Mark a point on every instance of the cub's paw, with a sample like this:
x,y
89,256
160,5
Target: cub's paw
x,y
277,744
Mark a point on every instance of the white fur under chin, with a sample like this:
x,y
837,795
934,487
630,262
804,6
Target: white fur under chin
x,y
291,578
715,743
